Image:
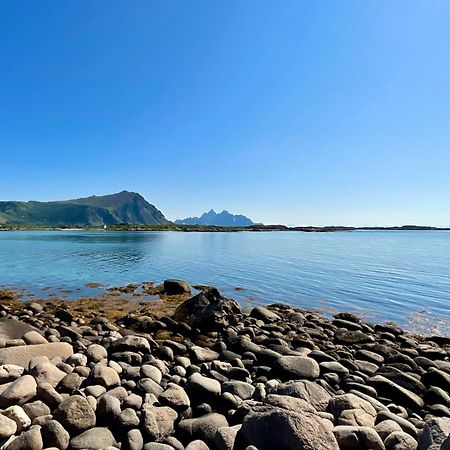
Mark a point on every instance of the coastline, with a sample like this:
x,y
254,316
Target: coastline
x,y
219,229
201,372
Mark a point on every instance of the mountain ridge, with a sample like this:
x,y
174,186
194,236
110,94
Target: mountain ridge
x,y
120,208
222,219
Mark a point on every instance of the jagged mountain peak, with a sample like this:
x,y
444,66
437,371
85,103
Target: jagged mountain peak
x,y
224,219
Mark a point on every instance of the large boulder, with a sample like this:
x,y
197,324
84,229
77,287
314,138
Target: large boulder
x,y
434,433
208,310
267,428
22,355
309,391
176,287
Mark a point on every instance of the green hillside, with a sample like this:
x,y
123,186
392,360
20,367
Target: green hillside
x,y
121,208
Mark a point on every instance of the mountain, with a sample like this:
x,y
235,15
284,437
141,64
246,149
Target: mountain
x,y
123,207
223,219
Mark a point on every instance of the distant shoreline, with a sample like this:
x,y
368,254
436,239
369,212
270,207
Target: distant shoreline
x,y
219,229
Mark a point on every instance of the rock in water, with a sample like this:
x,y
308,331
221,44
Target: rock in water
x,y
176,287
208,310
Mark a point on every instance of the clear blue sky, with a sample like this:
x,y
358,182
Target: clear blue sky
x,y
296,112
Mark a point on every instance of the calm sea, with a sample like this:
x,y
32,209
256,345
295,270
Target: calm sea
x,y
383,275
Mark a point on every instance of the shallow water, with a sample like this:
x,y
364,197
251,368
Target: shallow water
x,y
384,275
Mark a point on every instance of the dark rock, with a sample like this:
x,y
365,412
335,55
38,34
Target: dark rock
x,y
54,435
389,389
208,310
176,287
358,438
203,428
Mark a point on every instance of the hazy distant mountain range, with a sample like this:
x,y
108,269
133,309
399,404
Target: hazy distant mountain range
x,y
223,219
124,207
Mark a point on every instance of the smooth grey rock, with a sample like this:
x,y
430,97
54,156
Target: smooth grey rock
x,y
21,356
46,372
18,392
98,438
203,428
33,338
19,416
105,376
296,367
175,397
8,427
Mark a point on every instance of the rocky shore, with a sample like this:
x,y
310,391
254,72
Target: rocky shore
x,y
211,375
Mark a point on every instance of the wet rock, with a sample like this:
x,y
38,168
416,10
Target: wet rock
x,y
264,314
176,287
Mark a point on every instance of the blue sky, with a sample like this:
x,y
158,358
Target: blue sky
x,y
295,112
